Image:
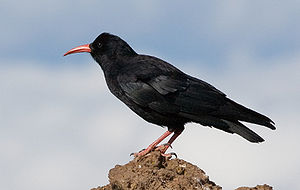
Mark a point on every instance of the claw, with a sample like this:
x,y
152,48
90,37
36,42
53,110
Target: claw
x,y
173,153
169,155
135,154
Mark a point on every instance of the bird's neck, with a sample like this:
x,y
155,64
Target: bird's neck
x,y
110,66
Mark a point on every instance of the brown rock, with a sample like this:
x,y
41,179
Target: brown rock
x,y
258,187
155,172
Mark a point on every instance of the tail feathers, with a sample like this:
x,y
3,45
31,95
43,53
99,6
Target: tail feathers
x,y
229,126
242,130
239,112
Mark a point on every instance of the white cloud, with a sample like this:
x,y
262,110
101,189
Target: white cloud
x,y
62,129
34,27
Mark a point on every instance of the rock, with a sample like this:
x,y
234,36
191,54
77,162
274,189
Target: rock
x,y
153,171
258,187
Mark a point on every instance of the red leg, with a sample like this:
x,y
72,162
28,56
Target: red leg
x,y
154,144
163,148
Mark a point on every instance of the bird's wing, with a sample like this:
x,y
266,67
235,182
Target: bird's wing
x,y
200,98
155,93
164,84
154,83
171,93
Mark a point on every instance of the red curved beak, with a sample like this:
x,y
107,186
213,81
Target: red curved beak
x,y
82,48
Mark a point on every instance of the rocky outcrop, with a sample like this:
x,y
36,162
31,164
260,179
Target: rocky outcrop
x,y
155,172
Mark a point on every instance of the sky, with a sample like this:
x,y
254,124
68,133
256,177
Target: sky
x,y
61,128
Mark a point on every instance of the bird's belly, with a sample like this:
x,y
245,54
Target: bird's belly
x,y
160,119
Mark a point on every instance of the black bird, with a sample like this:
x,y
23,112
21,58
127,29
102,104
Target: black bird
x,y
162,94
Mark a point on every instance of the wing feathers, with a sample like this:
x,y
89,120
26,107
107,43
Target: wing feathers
x,y
165,84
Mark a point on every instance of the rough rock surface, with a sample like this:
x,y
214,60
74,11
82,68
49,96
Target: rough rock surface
x,y
155,172
258,187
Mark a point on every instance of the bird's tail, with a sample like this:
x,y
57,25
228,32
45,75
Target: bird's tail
x,y
236,112
242,130
228,126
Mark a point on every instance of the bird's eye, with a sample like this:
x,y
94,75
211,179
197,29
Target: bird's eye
x,y
99,45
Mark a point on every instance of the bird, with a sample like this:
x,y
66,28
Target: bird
x,y
163,95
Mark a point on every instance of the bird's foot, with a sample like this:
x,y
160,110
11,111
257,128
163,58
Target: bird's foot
x,y
141,152
169,155
162,148
144,152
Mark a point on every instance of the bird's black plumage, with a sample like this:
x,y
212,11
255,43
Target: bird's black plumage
x,y
162,94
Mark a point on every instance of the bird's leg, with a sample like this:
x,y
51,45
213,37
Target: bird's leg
x,y
163,148
154,144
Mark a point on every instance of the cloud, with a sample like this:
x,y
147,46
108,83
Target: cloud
x,y
61,128
198,30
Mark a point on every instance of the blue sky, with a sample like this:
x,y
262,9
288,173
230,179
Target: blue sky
x,y
60,128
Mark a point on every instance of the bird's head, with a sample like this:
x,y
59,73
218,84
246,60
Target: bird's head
x,y
107,45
